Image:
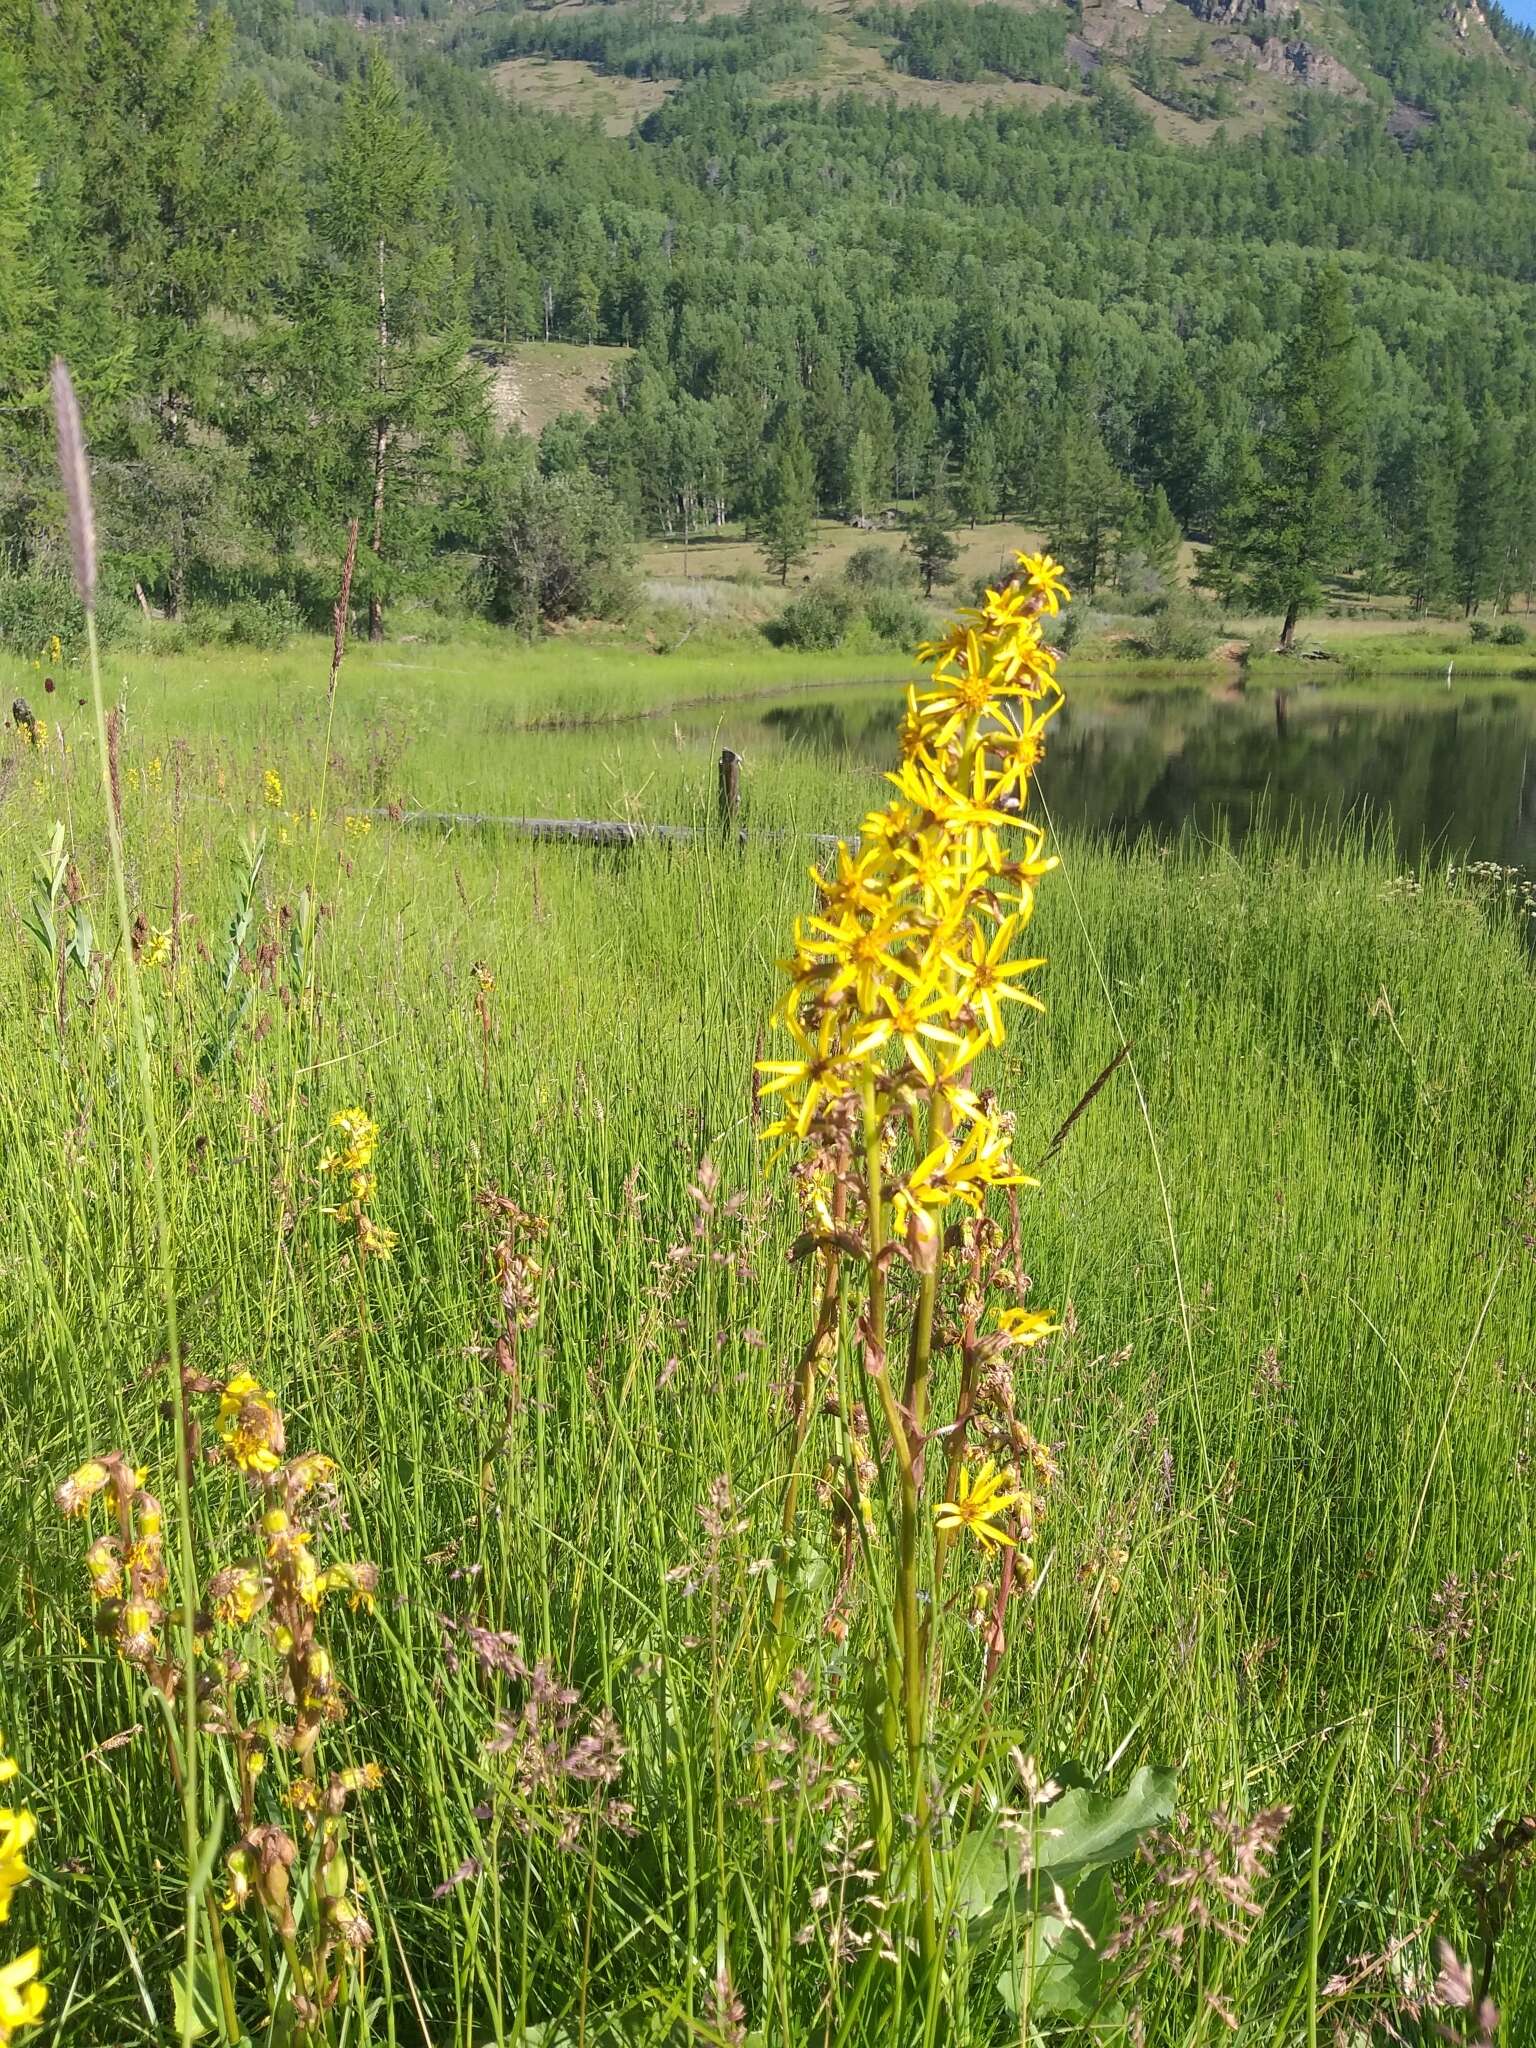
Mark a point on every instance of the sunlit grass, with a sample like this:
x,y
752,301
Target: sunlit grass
x,y
1308,1433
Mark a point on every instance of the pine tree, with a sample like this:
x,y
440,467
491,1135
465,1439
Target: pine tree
x,y
1485,504
1150,541
826,427
978,483
929,541
1300,530
1425,515
788,517
916,422
1091,497
377,356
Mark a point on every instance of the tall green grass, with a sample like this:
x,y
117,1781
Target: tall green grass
x,y
1291,1239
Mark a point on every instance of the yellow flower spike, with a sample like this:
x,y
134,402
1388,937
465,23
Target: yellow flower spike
x,y
978,1506
358,1141
272,789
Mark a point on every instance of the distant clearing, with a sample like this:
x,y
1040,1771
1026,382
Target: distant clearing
x,y
559,85
728,554
532,382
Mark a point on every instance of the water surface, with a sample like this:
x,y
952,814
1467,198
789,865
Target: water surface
x,y
1451,779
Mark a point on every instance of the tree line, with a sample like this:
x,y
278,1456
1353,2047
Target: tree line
x,y
278,260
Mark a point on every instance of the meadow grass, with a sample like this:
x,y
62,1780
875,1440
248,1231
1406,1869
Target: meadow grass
x,y
1288,1554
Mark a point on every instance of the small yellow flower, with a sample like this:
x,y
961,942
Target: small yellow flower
x,y
21,1998
374,1240
77,1492
483,978
1047,579
359,827
358,1141
157,948
979,1505
1025,1326
250,1428
17,1829
272,789
55,648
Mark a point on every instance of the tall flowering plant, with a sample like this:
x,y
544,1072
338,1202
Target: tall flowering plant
x,y
908,972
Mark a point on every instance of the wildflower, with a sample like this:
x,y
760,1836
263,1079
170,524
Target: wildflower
x,y
17,1829
157,948
250,1428
978,1505
21,1998
1047,580
358,827
374,1240
1026,1326
482,977
55,648
77,1492
272,789
358,1140
156,772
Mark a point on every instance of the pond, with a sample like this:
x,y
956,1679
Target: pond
x,y
1453,779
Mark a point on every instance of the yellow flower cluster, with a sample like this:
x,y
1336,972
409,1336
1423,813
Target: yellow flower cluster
x,y
350,1158
358,827
284,1589
127,1563
22,1998
908,969
272,789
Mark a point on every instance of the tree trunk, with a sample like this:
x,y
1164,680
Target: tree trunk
x,y
380,454
1288,630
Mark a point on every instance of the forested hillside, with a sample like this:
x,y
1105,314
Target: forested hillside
x,y
282,243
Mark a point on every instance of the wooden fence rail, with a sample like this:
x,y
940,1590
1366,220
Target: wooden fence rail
x,y
614,832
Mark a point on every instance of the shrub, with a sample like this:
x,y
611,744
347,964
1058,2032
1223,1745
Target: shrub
x,y
264,622
819,619
1182,631
896,618
562,548
36,608
875,568
1479,631
1511,634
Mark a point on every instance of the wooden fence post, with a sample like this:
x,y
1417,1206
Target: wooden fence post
x,y
730,788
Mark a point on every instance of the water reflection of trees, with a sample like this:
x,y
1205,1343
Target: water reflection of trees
x,y
1453,779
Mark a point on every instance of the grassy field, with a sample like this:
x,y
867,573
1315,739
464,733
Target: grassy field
x,y
1288,1555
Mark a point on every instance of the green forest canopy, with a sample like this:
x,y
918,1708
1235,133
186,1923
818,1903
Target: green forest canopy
x,y
198,211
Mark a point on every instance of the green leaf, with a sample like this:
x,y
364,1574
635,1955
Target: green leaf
x,y
1087,1830
197,2011
1083,1831
1058,1962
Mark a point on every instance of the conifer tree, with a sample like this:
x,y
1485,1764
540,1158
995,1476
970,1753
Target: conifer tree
x,y
1483,552
929,541
377,356
788,517
1090,504
1300,531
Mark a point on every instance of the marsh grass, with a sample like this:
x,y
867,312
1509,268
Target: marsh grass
x,y
1290,1554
